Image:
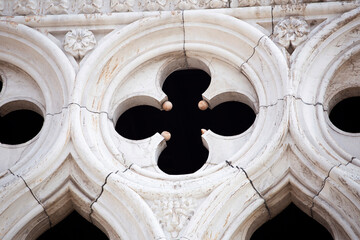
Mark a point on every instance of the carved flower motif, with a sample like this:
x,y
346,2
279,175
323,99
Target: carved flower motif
x,y
24,7
218,3
265,2
90,6
78,42
56,6
173,213
155,5
246,3
291,31
122,5
186,4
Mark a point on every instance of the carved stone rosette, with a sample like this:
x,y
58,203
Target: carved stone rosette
x,y
78,42
291,31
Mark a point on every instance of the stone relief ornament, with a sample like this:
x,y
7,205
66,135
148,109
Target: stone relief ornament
x,y
173,213
56,6
90,6
186,4
24,7
78,42
218,3
291,31
122,5
245,3
155,5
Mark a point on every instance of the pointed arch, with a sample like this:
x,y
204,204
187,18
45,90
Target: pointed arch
x,y
332,153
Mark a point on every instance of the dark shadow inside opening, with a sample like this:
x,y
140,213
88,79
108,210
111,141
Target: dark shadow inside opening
x,y
73,227
292,223
20,126
1,84
231,118
185,152
345,115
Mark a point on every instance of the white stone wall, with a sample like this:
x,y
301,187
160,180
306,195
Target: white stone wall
x,y
291,61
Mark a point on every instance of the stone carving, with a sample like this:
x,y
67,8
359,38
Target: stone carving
x,y
155,5
218,3
56,6
24,7
245,3
90,6
186,4
173,213
122,5
291,31
78,42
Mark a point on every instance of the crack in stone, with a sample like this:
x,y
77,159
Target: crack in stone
x,y
32,193
324,182
76,104
296,98
350,161
101,192
253,53
128,168
183,24
253,186
321,188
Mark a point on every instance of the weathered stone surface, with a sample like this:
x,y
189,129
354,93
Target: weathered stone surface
x,y
81,64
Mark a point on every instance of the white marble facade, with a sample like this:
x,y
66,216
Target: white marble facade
x,y
81,64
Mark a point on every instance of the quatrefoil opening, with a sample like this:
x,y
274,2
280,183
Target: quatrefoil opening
x,y
186,151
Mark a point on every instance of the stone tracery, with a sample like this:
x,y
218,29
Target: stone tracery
x,y
290,154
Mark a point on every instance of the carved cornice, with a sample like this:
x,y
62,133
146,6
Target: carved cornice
x,y
56,7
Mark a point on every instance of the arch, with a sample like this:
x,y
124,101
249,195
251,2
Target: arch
x,y
73,227
294,223
312,77
238,207
47,72
112,206
153,43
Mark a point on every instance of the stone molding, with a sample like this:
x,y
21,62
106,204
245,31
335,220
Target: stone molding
x,y
78,162
49,7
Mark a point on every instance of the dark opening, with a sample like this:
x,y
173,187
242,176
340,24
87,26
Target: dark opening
x,y
20,126
292,223
345,115
231,118
73,227
1,83
185,152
